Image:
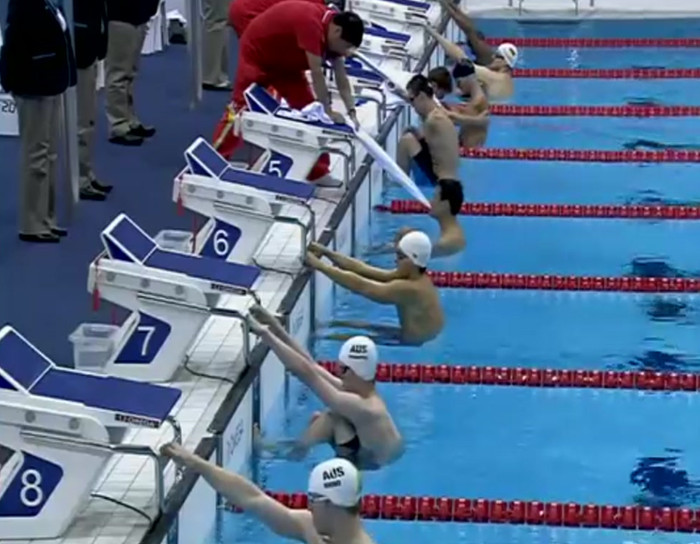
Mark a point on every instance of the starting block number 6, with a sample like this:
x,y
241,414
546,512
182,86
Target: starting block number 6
x,y
221,243
31,494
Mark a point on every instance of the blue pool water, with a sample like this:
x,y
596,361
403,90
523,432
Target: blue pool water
x,y
559,445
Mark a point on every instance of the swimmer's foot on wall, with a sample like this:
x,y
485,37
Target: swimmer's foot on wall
x,y
287,449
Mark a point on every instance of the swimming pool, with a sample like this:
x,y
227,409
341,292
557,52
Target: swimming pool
x,y
518,443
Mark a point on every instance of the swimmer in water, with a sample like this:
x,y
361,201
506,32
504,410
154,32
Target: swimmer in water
x,y
334,491
434,148
408,287
357,424
444,207
471,113
494,69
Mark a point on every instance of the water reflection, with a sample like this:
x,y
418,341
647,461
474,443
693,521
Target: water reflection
x,y
663,483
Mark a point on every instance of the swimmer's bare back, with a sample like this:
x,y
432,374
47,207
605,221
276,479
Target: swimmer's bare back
x,y
378,433
498,85
420,313
443,142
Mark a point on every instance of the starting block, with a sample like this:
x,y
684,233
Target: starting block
x,y
397,12
58,429
388,47
293,142
171,294
242,205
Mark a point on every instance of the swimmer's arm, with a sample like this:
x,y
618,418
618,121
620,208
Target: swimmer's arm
x,y
343,84
358,267
241,492
444,248
452,50
383,293
462,119
318,81
481,49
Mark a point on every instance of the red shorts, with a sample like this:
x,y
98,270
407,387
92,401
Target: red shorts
x,y
293,88
237,19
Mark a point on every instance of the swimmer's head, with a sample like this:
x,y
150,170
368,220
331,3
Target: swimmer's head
x,y
441,81
335,490
505,58
413,251
345,33
447,199
358,356
403,231
420,94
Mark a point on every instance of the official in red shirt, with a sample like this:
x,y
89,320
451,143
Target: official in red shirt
x,y
242,12
277,48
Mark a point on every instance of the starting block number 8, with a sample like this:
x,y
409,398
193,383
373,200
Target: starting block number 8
x,y
31,494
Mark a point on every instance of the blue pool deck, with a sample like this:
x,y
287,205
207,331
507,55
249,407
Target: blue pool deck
x,y
511,443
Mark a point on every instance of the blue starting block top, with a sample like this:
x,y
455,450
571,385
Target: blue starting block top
x,y
381,32
203,160
25,369
411,4
259,100
125,241
355,68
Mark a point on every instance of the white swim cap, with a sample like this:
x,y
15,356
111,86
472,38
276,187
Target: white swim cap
x,y
417,247
359,353
336,480
509,53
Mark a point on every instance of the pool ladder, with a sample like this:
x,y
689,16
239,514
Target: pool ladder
x,y
520,5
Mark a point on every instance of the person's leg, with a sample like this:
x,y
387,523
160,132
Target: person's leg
x,y
135,123
118,70
87,103
225,140
297,92
413,150
215,43
55,115
34,119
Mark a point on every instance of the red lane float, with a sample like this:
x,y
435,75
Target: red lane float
x,y
594,111
592,211
580,155
608,73
516,512
597,42
531,377
539,282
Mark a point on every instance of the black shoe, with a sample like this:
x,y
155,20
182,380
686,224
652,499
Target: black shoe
x,y
225,87
58,231
43,238
103,188
90,193
143,131
127,139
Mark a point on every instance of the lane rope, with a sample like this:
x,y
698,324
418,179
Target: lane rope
x,y
589,211
514,512
581,155
608,73
594,111
541,282
637,380
597,42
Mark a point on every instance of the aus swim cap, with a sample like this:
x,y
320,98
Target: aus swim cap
x,y
417,247
359,353
509,53
337,481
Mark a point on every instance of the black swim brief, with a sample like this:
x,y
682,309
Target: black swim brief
x,y
353,451
464,68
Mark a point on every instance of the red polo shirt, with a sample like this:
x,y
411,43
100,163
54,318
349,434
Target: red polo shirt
x,y
278,39
242,12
